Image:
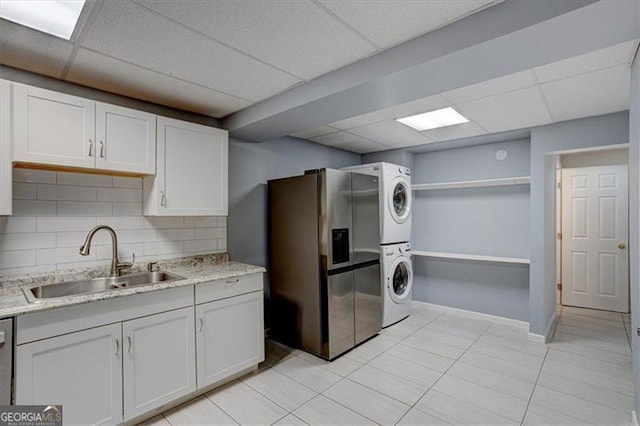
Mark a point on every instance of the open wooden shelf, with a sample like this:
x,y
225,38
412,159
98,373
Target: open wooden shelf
x,y
520,180
459,256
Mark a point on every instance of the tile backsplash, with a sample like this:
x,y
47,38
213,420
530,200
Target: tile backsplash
x,y
53,211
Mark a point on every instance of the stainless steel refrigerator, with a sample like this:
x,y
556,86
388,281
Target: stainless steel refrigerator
x,y
324,260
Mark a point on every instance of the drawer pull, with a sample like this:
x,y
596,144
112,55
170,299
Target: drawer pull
x,y
129,340
230,283
201,324
117,345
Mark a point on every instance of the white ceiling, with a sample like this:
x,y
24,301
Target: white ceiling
x,y
591,84
217,57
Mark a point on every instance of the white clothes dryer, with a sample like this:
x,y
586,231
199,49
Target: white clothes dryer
x,y
397,282
395,200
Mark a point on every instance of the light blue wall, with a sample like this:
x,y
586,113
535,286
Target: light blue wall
x,y
251,165
634,220
583,133
394,156
483,221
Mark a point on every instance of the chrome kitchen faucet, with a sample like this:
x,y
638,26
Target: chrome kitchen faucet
x,y
116,266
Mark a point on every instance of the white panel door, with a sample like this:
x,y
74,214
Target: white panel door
x,y
53,128
229,337
82,371
595,259
126,139
159,360
192,169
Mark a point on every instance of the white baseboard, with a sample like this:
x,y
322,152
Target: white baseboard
x,y
548,332
634,418
477,315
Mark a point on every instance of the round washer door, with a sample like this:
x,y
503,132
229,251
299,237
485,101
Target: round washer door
x,y
399,198
400,281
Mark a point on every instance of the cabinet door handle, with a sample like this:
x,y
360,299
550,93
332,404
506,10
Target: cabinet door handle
x,y
130,342
162,199
117,345
230,283
201,324
90,148
101,149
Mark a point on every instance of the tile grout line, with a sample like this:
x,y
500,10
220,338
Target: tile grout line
x,y
535,384
443,374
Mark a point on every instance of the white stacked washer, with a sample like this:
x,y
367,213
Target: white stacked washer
x,y
395,234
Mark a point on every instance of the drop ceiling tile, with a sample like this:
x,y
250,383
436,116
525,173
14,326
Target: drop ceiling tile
x,y
316,131
585,95
132,33
361,120
387,23
362,147
350,142
32,50
296,36
508,83
459,131
416,107
338,138
508,111
592,61
391,133
96,70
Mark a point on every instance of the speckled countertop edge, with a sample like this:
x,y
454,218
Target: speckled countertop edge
x,y
195,270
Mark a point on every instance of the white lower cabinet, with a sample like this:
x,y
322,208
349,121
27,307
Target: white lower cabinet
x,y
230,337
159,360
81,370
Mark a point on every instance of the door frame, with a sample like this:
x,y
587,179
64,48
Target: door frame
x,y
557,197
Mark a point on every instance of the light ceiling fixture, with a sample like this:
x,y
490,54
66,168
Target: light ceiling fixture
x,y
58,18
433,119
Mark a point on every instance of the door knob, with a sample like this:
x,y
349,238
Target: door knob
x,y
622,246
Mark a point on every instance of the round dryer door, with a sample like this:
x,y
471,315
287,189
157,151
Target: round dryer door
x,y
399,285
400,200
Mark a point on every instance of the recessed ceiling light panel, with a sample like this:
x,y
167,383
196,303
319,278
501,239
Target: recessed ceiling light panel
x,y
434,119
58,18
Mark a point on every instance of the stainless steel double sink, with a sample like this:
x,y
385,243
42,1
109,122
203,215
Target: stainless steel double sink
x,y
96,285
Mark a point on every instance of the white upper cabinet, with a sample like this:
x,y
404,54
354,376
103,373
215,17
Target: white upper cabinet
x,y
6,189
191,173
126,139
63,130
53,128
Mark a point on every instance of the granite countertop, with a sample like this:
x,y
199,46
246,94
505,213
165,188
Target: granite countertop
x,y
195,269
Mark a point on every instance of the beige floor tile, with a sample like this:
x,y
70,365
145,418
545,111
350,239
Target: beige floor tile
x,y
312,376
502,404
459,412
199,411
420,357
245,405
603,380
582,390
282,390
367,402
592,364
524,346
323,411
158,420
511,369
289,420
493,380
584,410
388,384
434,347
417,417
418,374
543,416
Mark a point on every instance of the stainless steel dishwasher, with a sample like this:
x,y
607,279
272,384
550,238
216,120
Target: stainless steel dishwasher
x,y
6,353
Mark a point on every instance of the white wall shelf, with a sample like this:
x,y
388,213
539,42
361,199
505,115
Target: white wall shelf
x,y
459,256
520,180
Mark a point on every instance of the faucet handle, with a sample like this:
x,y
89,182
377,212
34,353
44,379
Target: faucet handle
x,y
153,267
127,265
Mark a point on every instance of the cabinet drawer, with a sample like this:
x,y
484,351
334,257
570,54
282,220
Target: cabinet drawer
x,y
220,289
